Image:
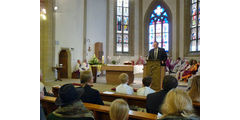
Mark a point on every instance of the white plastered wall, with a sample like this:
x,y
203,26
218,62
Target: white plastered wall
x,y
69,28
96,25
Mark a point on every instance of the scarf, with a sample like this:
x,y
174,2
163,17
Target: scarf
x,y
75,110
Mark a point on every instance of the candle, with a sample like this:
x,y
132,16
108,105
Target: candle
x,y
102,59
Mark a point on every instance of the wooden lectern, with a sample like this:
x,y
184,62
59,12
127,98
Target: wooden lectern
x,y
154,69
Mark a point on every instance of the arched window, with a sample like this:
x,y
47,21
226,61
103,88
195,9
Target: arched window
x,y
159,28
122,26
195,26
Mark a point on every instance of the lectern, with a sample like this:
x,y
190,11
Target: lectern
x,y
154,69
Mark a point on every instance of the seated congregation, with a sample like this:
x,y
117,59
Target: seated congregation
x,y
76,103
183,69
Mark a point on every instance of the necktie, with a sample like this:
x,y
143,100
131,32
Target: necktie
x,y
155,54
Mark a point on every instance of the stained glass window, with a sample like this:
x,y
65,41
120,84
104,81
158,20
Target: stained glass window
x,y
122,28
159,28
195,26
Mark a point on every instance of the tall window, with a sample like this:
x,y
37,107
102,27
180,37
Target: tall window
x,y
122,28
159,28
195,26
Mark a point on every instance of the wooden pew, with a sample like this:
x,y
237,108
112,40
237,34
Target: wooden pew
x,y
134,100
100,112
48,104
196,106
56,88
137,100
130,99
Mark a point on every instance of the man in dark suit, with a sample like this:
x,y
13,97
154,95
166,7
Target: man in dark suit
x,y
155,100
90,95
158,54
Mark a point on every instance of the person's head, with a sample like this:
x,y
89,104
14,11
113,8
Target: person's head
x,y
86,77
68,94
169,82
194,62
147,81
191,61
194,92
123,77
119,110
85,60
155,44
177,103
178,58
78,61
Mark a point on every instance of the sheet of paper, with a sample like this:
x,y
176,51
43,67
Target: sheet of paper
x,y
108,92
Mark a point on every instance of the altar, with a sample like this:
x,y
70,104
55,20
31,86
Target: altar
x,y
113,71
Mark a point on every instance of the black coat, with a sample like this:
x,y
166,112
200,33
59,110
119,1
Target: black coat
x,y
91,96
155,100
162,55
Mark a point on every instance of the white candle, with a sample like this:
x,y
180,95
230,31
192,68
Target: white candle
x,y
102,59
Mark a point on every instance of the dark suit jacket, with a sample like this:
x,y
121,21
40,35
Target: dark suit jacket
x,y
154,101
162,55
91,96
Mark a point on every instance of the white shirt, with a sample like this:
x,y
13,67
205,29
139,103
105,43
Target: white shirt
x,y
85,66
144,91
124,88
41,90
41,87
77,67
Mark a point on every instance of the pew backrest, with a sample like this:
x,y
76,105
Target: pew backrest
x,y
134,100
101,112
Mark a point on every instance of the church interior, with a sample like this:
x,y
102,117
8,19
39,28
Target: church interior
x,y
110,37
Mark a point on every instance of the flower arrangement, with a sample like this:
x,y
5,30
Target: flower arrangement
x,y
94,61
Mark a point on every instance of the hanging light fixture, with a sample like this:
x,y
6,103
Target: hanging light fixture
x,y
55,8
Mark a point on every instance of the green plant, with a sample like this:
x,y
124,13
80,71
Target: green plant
x,y
113,62
94,60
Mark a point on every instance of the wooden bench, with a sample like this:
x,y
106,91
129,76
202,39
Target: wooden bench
x,y
56,88
137,100
196,106
134,100
130,99
101,112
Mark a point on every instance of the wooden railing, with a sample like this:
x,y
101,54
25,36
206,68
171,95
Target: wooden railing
x,y
101,112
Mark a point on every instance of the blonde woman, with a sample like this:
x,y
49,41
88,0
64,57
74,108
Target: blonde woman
x,y
119,110
123,87
177,106
194,91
